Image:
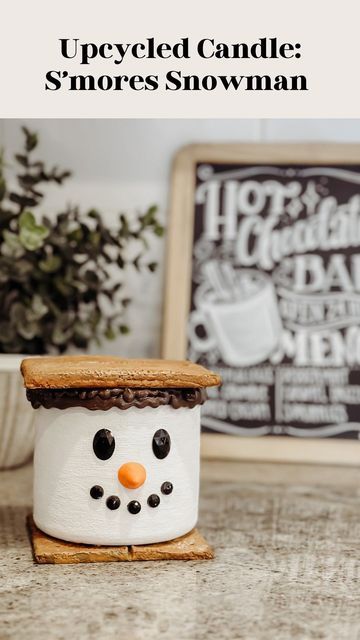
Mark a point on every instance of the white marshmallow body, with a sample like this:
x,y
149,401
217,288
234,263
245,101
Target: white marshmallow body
x,y
66,467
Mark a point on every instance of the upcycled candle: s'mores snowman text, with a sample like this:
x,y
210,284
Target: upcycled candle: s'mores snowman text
x,y
117,447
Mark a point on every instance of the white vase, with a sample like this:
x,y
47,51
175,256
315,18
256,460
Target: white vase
x,y
16,415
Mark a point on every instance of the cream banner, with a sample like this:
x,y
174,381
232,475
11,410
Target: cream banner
x,y
266,58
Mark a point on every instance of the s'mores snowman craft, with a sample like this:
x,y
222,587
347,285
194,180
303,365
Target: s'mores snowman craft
x,y
116,457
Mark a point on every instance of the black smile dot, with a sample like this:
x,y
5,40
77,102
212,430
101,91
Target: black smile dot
x,y
166,488
134,507
96,492
153,500
113,502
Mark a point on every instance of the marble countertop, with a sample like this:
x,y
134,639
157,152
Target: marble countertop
x,y
287,566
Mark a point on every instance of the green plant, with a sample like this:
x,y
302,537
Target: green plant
x,y
61,278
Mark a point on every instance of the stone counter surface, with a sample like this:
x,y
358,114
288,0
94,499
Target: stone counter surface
x,y
287,566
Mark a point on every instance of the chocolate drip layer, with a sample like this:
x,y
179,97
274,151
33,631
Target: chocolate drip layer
x,y
122,398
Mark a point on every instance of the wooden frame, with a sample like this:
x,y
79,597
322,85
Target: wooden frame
x,y
178,282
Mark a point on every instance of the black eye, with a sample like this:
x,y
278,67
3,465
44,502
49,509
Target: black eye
x,y
161,444
104,444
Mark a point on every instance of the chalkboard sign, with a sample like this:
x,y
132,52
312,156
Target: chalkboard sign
x,y
264,288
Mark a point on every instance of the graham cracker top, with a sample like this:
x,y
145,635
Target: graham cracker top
x,y
81,372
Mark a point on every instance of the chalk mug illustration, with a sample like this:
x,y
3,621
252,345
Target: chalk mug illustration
x,y
239,312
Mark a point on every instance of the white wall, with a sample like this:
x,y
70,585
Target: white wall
x,y
125,165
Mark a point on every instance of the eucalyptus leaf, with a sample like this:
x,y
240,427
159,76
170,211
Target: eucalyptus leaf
x,y
18,313
159,230
62,286
95,238
31,139
22,200
29,330
32,235
22,159
149,217
124,329
12,246
38,308
50,264
76,235
59,335
110,333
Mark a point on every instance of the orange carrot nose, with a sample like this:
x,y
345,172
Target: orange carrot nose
x,y
132,475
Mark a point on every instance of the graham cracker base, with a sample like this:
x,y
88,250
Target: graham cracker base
x,y
48,550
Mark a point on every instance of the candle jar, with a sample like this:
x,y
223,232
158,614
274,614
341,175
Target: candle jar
x,y
117,443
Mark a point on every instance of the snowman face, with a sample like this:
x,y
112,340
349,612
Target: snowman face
x,y
117,477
